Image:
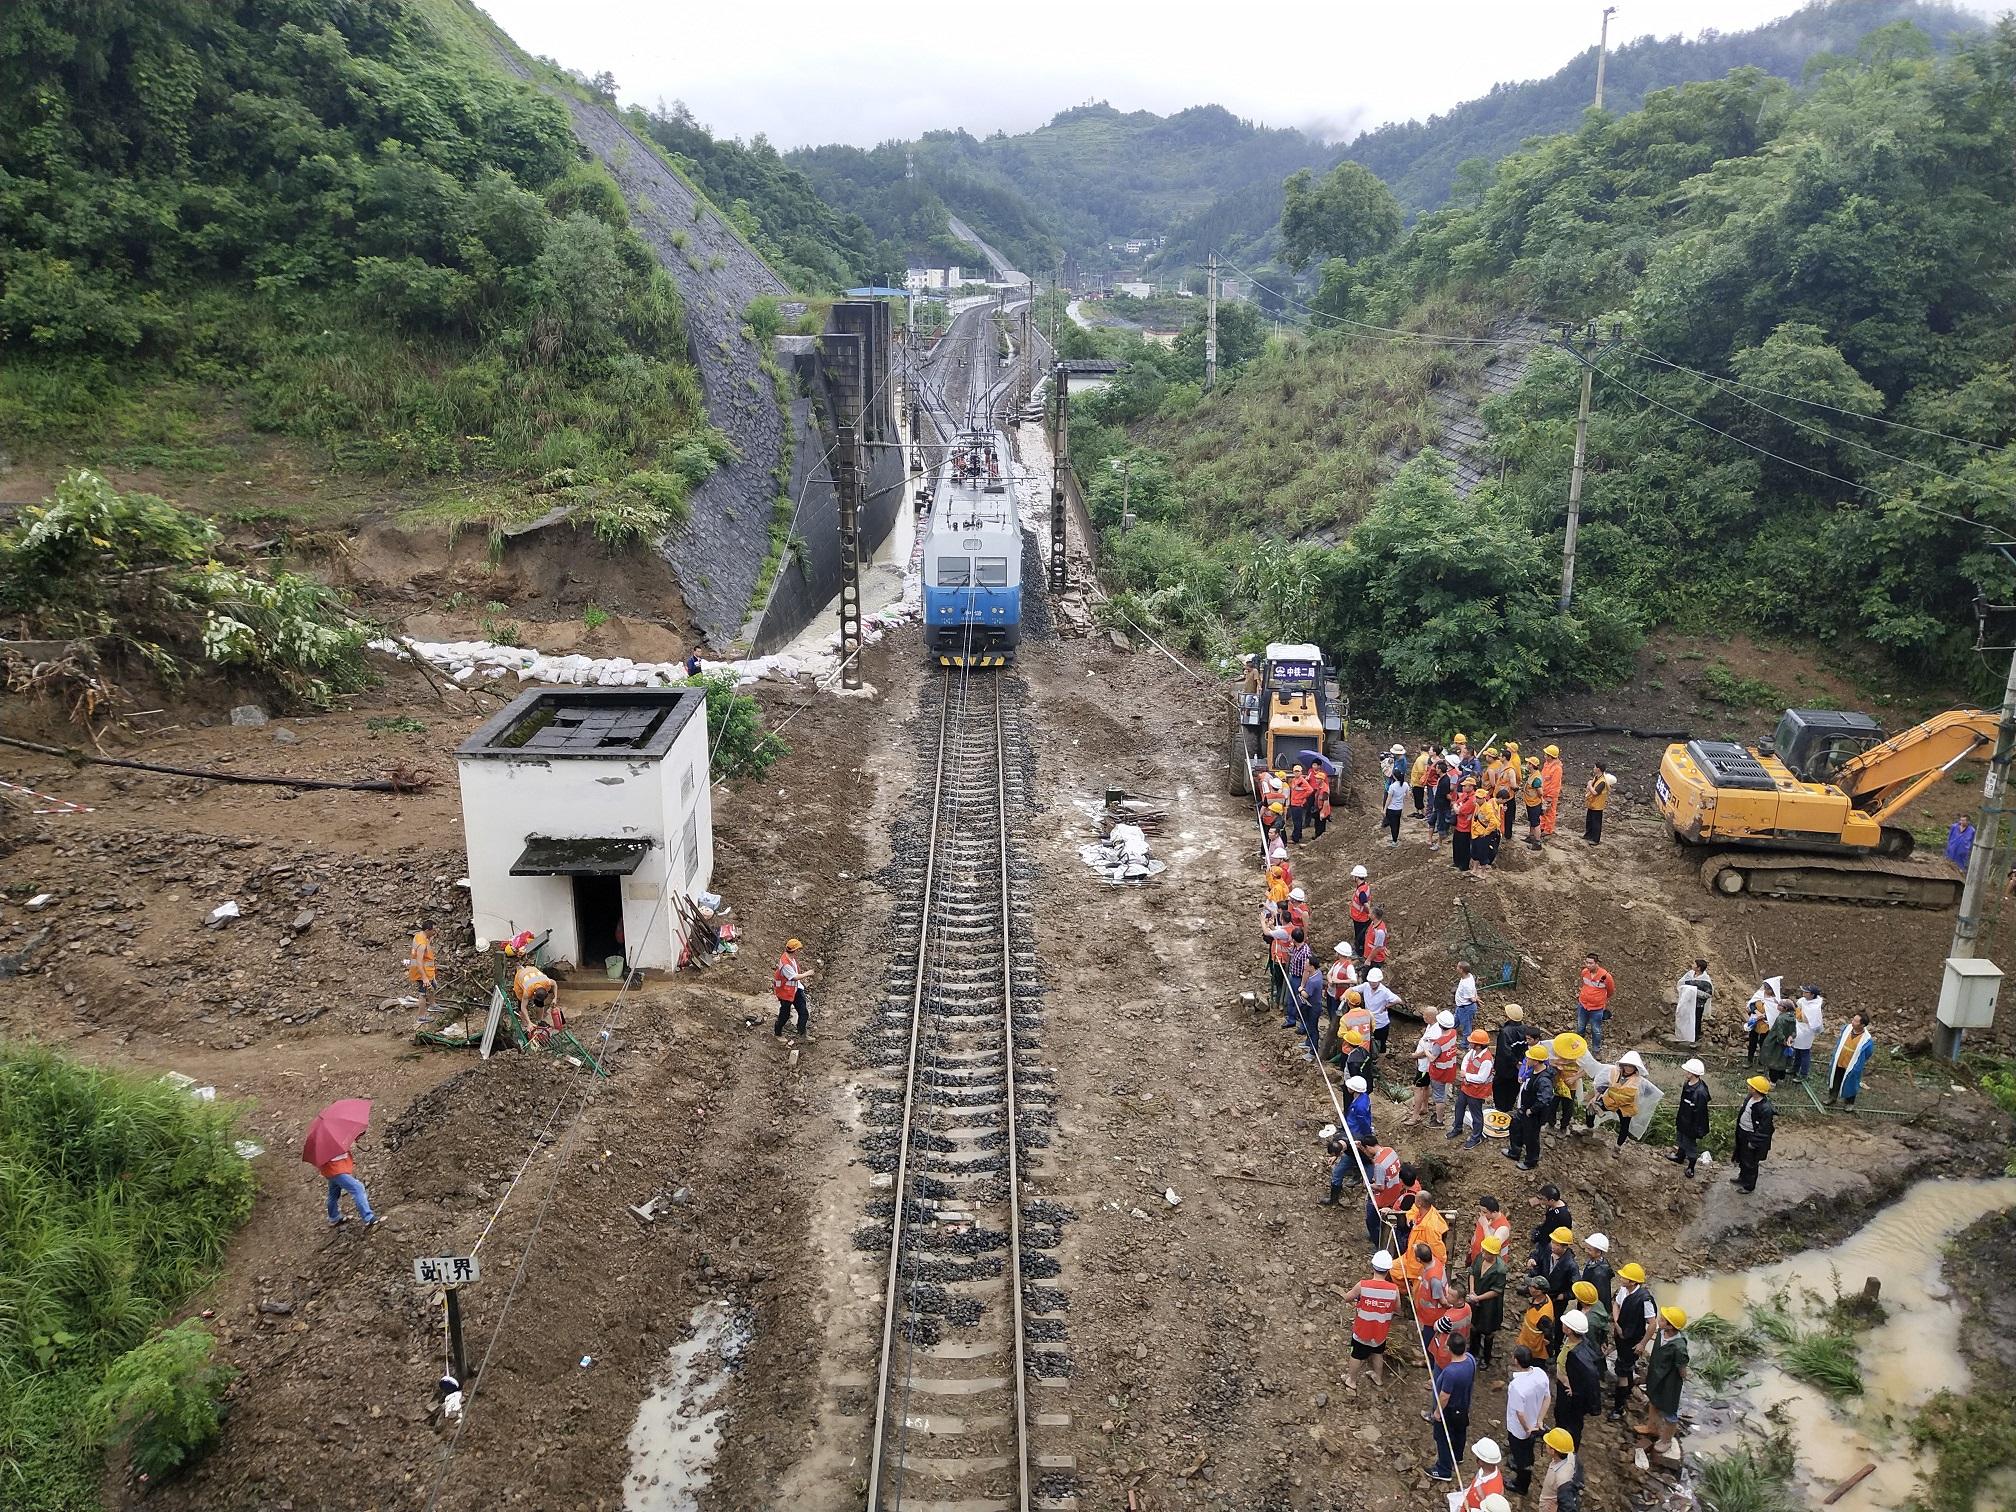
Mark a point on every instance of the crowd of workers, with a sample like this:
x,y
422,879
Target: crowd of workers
x,y
1583,1329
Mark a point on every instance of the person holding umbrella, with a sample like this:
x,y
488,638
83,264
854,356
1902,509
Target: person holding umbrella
x,y
335,1129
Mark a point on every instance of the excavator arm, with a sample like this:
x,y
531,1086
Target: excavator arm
x,y
1885,778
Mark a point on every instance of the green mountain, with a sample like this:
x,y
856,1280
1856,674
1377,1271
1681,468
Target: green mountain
x,y
1090,175
1420,160
1806,429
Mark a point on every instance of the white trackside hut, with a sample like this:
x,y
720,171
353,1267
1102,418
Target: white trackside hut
x,y
584,810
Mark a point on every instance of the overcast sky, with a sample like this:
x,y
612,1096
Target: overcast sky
x,y
807,73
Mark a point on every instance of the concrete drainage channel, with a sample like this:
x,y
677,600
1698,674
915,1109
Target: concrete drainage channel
x,y
972,1357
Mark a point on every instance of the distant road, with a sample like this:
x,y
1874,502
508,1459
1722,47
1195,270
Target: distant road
x,y
1003,269
1105,320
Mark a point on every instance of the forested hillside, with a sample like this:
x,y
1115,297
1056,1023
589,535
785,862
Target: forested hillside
x,y
775,206
335,224
1805,430
1421,160
1090,175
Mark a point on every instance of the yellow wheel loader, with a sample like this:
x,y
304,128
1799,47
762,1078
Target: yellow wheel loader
x,y
1810,811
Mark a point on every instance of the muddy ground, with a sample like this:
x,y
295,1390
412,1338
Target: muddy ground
x,y
1205,1339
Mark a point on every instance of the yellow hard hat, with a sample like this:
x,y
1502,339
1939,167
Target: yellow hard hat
x,y
1585,1291
1492,1244
1570,1046
1633,1272
794,944
1562,1236
1511,745
1279,808
1536,1052
1459,738
1354,996
1676,1317
1353,1037
1560,1440
1553,750
1759,1084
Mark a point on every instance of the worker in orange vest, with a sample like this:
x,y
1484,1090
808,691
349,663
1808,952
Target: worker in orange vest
x,y
1298,909
1361,907
538,1002
1299,794
420,968
789,984
1319,800
1592,1002
1491,1220
1550,791
1453,1322
1374,1301
1489,1479
1419,1222
341,1174
1473,1086
1378,939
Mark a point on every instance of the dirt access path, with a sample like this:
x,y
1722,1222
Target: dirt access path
x,y
1205,1339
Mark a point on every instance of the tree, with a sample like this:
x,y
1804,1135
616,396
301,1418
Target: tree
x,y
1242,336
1350,214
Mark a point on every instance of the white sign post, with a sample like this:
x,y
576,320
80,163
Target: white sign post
x,y
451,1272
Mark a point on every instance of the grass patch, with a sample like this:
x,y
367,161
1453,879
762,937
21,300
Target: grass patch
x,y
1722,1350
1824,1359
1757,1478
117,1196
1971,1437
1726,686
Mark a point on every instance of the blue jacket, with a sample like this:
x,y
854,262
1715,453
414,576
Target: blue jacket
x,y
1358,1118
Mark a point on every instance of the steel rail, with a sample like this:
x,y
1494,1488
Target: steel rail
x,y
881,1462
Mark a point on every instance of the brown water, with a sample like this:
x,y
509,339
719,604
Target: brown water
x,y
1904,1360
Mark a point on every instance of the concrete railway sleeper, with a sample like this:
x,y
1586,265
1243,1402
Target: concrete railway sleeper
x,y
950,1141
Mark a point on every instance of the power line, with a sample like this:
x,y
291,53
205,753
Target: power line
x,y
1393,332
1817,472
1720,379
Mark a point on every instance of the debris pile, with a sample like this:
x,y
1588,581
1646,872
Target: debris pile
x,y
1122,855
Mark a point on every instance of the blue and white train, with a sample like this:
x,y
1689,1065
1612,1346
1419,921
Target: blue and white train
x,y
973,557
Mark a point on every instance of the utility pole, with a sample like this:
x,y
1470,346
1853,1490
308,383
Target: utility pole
x,y
1586,353
845,484
1603,52
1211,325
1983,863
1060,466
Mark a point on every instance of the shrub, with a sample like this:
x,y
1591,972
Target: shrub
x,y
162,1400
1755,1479
741,746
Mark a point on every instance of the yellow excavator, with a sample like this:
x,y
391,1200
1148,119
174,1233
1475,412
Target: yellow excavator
x,y
1821,795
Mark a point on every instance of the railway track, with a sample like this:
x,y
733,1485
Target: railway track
x,y
963,1323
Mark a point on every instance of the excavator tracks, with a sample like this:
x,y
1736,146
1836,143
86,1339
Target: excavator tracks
x,y
1872,881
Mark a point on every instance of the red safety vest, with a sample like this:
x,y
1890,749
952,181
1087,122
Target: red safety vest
x,y
1279,943
1359,1019
1298,915
1431,1295
1502,1228
1458,1319
1384,1171
1378,1300
1443,1056
1341,978
1375,943
1298,791
1490,1482
1361,903
1477,1073
784,980
1597,986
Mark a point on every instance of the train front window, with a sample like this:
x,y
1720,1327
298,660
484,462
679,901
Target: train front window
x,y
954,572
993,572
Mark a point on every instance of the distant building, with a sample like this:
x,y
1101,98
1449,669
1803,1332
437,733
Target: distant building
x,y
917,280
1138,290
586,811
1084,375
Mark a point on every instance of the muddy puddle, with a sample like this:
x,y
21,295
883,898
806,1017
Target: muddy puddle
x,y
1905,1359
677,1435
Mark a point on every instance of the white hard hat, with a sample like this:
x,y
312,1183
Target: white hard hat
x,y
1494,1503
1575,1320
1630,1058
1398,749
1344,949
1487,1450
1296,894
1375,975
1694,1068
1355,1083
1599,1243
1382,1261
1359,873
1445,1020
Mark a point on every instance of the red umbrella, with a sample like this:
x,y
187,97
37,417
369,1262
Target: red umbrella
x,y
335,1129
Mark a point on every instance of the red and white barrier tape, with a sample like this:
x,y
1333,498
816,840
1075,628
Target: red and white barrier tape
x,y
63,805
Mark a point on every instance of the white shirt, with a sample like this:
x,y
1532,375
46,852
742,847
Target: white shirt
x,y
1380,999
1466,991
1424,1046
1810,1014
1526,1402
1396,795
